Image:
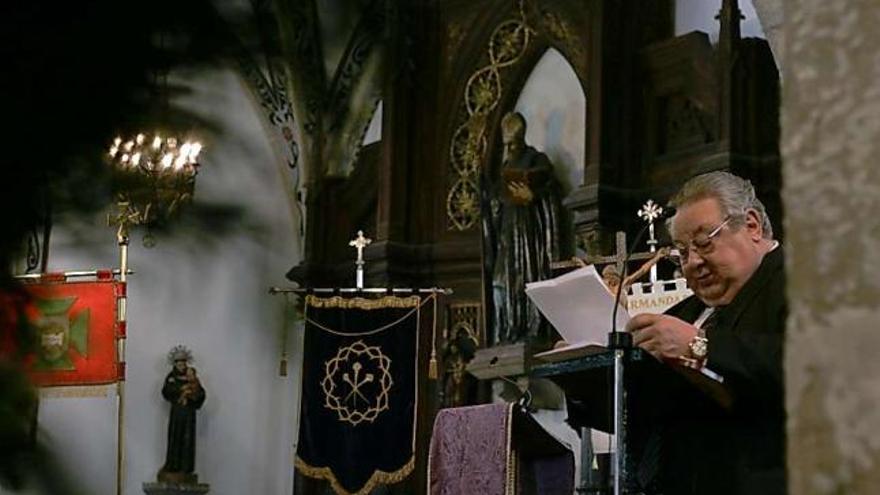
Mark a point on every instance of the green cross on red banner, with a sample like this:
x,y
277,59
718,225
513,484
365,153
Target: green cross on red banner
x,y
72,328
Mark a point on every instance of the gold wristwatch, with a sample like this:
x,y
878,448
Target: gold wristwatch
x,y
699,347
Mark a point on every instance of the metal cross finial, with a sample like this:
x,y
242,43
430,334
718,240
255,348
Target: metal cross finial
x,y
359,243
649,212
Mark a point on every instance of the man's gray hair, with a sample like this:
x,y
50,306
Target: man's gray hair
x,y
735,195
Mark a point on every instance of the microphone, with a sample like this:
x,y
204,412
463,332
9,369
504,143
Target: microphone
x,y
616,339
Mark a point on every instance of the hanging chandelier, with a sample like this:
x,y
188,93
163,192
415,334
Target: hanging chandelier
x,y
153,178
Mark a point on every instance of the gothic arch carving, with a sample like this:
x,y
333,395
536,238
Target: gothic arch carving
x,y
509,53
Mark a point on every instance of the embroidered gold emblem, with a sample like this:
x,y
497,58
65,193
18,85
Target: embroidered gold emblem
x,y
356,383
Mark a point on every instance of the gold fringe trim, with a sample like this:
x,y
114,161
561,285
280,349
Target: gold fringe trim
x,y
362,303
415,310
378,478
77,391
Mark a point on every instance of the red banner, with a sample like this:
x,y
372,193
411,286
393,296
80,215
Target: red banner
x,y
73,329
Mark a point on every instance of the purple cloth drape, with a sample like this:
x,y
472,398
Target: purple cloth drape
x,y
470,450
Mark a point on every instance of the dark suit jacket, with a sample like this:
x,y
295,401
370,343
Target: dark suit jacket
x,y
707,450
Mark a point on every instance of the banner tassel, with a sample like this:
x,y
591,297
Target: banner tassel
x,y
282,365
282,368
433,372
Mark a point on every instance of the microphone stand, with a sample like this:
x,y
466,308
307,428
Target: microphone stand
x,y
621,343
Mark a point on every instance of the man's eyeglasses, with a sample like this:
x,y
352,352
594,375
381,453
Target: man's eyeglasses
x,y
702,244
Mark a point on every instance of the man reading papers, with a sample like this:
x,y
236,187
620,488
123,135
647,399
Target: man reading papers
x,y
732,328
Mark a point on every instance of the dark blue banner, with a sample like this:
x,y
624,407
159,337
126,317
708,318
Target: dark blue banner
x,y
358,415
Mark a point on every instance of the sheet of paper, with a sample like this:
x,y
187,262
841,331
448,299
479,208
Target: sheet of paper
x,y
578,305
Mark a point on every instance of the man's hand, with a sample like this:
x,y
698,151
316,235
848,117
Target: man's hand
x,y
664,336
520,192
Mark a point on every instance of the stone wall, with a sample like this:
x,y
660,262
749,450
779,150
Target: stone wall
x,y
772,16
831,136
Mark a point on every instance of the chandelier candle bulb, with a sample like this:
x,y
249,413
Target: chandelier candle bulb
x,y
194,151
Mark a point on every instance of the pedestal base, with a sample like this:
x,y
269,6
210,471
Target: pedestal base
x,y
175,488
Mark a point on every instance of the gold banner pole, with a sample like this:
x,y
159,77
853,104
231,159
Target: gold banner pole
x,y
122,240
67,274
